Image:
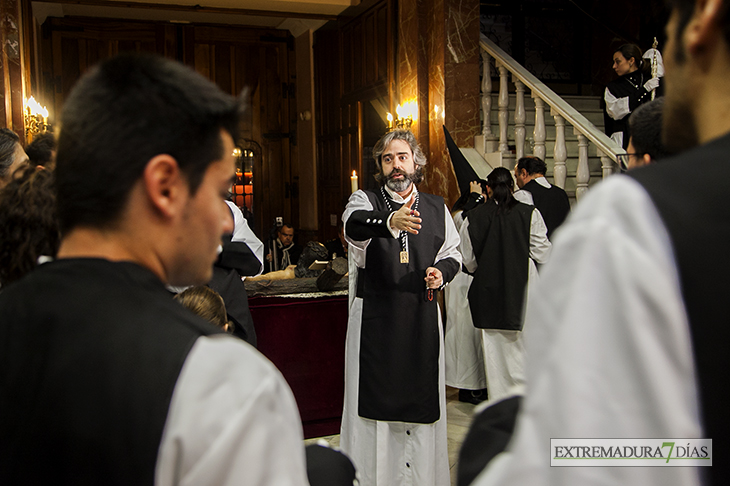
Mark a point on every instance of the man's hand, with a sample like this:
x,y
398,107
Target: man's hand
x,y
406,219
474,186
434,278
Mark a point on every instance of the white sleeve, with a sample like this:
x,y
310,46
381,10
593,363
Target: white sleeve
x,y
232,420
617,108
608,349
450,247
539,244
242,232
524,196
465,248
458,218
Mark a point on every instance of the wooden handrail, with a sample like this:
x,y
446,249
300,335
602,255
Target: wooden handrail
x,y
557,104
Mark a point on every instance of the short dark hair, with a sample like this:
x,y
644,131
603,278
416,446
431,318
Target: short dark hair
x,y
645,130
125,111
284,225
40,150
532,164
8,142
28,223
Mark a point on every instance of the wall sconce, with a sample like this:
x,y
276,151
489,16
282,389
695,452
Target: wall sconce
x,y
36,118
405,116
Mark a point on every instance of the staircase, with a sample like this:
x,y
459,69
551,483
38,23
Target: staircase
x,y
588,106
567,132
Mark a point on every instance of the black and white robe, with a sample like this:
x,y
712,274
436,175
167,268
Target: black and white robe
x,y
394,423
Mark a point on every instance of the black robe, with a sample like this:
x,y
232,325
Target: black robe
x,y
629,85
501,242
552,202
692,202
91,351
399,341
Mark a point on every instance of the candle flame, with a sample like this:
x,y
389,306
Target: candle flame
x,y
35,108
354,174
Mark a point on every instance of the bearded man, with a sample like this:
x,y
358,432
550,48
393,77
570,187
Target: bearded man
x,y
403,249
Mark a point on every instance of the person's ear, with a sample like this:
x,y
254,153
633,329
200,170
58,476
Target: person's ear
x,y
647,159
704,27
164,184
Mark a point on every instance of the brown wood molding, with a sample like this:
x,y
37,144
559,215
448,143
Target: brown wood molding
x,y
195,8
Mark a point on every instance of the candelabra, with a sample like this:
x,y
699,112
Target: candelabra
x,y
405,116
36,119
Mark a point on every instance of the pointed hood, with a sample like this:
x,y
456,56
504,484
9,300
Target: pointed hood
x,y
462,168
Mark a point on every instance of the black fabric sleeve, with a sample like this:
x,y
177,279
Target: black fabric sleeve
x,y
236,255
449,268
363,225
473,200
489,434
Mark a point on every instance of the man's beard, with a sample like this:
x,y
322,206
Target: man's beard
x,y
400,185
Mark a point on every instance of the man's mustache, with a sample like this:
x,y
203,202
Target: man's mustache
x,y
394,172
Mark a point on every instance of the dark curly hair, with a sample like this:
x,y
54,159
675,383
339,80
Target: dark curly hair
x,y
28,223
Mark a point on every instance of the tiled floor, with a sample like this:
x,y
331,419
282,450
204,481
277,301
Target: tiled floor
x,y
458,418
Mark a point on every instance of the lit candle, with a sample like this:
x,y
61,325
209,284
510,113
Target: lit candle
x,y
353,181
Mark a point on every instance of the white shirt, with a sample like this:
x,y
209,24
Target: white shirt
x,y
232,421
609,353
359,202
242,232
539,243
525,196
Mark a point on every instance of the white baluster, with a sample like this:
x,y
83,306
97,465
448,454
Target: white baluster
x,y
560,153
583,174
486,94
503,110
606,165
519,118
539,133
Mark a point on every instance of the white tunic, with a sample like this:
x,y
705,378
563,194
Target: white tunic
x,y
609,352
390,453
463,350
242,232
525,196
504,351
232,421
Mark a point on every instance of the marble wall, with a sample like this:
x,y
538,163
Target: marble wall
x,y
11,104
438,65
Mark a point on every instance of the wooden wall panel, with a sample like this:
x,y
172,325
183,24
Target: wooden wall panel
x,y
76,44
259,60
353,67
235,58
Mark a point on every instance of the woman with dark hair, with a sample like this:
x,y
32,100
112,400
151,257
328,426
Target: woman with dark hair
x,y
28,223
631,89
501,242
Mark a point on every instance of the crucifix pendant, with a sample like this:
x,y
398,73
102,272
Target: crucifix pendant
x,y
404,257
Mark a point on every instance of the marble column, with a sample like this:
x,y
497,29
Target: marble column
x,y
11,105
438,62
